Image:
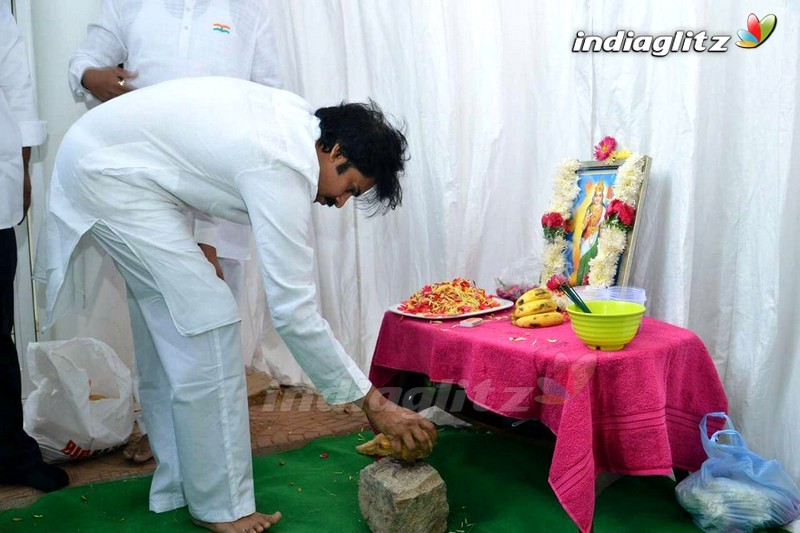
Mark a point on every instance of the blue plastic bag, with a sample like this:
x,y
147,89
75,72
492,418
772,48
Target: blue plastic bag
x,y
735,489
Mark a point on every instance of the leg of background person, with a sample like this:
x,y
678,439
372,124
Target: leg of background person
x,y
138,450
20,458
11,455
208,398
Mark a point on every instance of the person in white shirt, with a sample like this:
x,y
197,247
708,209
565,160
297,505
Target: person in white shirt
x,y
128,173
20,459
160,40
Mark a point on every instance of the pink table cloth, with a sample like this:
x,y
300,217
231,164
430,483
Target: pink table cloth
x,y
635,411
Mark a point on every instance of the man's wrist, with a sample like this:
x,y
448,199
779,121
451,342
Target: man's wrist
x,y
363,402
26,157
372,402
82,87
82,90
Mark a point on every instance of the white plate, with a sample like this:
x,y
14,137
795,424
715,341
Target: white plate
x,y
504,304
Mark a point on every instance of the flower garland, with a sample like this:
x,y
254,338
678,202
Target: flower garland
x,y
554,222
620,216
619,219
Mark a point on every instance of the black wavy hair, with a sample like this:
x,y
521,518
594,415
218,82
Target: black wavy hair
x,y
370,144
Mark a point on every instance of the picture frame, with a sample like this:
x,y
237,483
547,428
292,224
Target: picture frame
x,y
596,180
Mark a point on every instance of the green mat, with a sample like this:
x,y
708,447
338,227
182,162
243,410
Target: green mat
x,y
494,483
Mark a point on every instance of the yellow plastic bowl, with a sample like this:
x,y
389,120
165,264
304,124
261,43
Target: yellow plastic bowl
x,y
609,326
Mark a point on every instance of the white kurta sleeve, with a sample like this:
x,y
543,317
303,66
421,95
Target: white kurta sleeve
x,y
103,46
206,230
266,66
278,201
15,82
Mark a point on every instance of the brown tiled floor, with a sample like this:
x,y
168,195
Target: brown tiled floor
x,y
280,419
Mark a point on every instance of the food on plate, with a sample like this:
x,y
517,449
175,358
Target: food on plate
x,y
381,445
447,298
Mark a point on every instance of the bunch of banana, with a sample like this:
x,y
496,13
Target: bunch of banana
x,y
536,308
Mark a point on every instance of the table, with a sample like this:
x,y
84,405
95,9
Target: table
x,y
630,412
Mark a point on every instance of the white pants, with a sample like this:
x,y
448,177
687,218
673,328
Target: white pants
x,y
243,277
194,401
252,305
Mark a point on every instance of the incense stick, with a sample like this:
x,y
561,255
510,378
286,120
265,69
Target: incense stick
x,y
576,299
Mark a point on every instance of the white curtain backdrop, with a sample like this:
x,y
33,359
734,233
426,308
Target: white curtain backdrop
x,y
493,97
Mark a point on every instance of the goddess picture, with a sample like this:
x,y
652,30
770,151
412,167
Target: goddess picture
x,y
584,227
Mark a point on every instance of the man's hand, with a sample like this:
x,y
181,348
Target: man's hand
x,y
26,194
107,82
26,182
402,426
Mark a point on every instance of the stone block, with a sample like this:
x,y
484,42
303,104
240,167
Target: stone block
x,y
398,497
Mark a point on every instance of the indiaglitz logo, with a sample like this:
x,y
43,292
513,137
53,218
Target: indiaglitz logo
x,y
757,31
681,41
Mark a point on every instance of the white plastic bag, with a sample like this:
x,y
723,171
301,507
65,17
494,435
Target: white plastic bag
x,y
82,405
440,417
520,277
735,488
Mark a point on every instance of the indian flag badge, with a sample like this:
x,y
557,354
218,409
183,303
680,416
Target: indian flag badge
x,y
220,27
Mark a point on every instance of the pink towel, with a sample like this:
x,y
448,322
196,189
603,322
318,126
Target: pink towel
x,y
635,411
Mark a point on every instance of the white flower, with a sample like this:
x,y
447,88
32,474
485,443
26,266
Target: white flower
x,y
629,179
562,301
612,241
553,259
599,273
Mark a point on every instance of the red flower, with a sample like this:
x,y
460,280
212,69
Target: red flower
x,y
604,148
555,282
625,213
553,220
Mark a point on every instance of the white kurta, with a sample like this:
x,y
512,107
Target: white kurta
x,y
227,148
168,39
19,124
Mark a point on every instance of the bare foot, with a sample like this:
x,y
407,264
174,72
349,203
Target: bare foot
x,y
138,450
255,522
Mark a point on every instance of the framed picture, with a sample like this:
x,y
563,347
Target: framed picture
x,y
584,230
